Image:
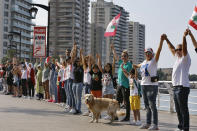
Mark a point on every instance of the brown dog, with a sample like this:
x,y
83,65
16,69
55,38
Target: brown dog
x,y
97,105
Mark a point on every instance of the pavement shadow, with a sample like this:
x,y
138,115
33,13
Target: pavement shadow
x,y
32,111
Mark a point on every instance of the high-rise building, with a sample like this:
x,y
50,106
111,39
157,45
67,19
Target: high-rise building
x,y
102,13
15,17
136,42
68,24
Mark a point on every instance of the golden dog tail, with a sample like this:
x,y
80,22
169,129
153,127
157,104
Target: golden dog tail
x,y
120,113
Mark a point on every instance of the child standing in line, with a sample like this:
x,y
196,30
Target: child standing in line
x,y
135,93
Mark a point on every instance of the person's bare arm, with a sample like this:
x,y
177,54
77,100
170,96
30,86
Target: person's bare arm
x,y
125,71
73,53
90,62
159,48
83,61
192,37
113,65
184,48
170,45
137,66
114,52
99,62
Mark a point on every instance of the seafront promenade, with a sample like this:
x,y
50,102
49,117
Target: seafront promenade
x,y
33,115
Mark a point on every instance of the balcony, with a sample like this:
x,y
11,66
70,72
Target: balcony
x,y
23,5
15,9
23,27
24,20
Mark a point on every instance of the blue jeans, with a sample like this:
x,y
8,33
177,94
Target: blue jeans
x,y
66,91
55,86
149,93
87,88
181,104
77,90
71,103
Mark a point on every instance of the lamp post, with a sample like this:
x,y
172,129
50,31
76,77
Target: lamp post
x,y
33,12
10,36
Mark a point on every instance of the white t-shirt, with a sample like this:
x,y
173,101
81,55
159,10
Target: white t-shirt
x,y
87,76
65,74
180,74
61,74
24,74
133,87
148,69
69,72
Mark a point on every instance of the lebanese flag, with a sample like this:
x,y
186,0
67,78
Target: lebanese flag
x,y
112,26
47,60
193,19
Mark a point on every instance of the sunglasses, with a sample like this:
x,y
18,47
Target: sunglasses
x,y
178,49
148,53
124,56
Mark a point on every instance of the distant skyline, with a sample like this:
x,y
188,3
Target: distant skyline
x,y
169,16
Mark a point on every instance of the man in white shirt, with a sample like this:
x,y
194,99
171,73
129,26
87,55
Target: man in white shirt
x,y
180,81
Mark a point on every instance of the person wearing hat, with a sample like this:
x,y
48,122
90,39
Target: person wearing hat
x,y
180,81
149,85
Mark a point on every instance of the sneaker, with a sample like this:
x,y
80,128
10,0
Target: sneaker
x,y
67,110
67,106
90,114
138,123
107,117
145,126
51,100
178,129
154,127
86,113
133,122
72,111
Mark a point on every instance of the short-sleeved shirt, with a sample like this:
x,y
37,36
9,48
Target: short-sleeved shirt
x,y
148,69
96,83
122,79
180,74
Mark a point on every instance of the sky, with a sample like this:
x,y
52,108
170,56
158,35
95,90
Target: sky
x,y
159,16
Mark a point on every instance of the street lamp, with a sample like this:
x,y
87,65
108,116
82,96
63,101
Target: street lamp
x,y
10,37
33,12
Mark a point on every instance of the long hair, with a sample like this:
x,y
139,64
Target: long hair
x,y
110,71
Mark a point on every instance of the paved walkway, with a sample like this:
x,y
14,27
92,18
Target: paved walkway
x,y
32,115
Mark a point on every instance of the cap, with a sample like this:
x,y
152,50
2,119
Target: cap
x,y
149,50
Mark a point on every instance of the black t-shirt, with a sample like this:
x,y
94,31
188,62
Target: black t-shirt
x,y
196,50
96,83
78,74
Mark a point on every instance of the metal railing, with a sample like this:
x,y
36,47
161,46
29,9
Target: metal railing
x,y
169,103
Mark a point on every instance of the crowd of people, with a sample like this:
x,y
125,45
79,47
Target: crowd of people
x,y
62,81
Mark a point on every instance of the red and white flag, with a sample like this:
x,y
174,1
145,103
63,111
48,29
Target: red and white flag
x,y
47,60
112,26
193,19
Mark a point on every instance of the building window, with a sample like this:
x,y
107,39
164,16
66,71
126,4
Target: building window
x,y
5,36
5,21
6,13
5,44
5,28
6,6
4,52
